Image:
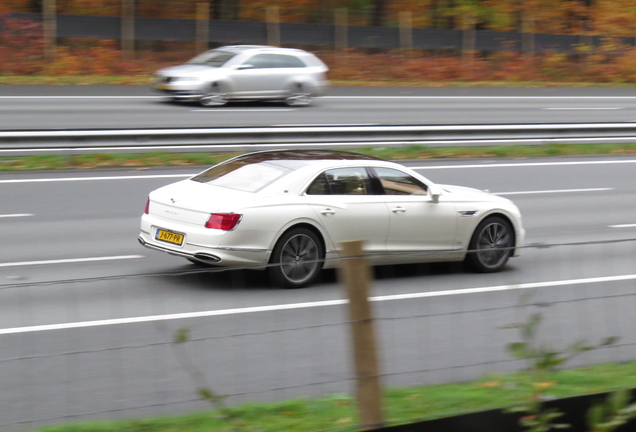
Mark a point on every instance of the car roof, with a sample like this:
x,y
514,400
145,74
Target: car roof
x,y
242,48
296,159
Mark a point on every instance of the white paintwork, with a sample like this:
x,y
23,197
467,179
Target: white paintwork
x,y
436,228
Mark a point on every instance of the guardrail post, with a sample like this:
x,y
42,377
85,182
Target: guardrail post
x,y
406,31
341,36
128,29
273,26
49,27
355,273
203,26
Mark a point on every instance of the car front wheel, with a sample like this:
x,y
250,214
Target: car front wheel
x,y
296,259
213,96
298,97
491,245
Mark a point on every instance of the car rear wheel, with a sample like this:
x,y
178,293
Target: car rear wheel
x,y
296,259
491,245
213,96
298,97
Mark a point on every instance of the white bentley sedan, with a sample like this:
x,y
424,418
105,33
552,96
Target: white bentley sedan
x,y
289,211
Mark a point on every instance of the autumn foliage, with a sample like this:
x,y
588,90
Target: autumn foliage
x,y
21,42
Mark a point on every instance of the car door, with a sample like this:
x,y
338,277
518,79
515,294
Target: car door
x,y
257,76
344,204
417,222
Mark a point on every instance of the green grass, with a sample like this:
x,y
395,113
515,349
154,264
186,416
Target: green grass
x,y
338,412
145,160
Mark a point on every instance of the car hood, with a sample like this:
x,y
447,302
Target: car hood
x,y
187,70
461,193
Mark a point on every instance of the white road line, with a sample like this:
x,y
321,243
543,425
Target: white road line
x,y
351,97
525,164
215,110
307,305
581,108
553,191
80,97
71,179
326,124
16,215
70,260
623,226
481,97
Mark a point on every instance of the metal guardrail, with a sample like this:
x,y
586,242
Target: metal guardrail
x,y
19,143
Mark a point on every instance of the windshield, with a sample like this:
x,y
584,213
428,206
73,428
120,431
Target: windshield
x,y
247,177
212,58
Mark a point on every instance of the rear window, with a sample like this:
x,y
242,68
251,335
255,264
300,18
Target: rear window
x,y
212,58
246,177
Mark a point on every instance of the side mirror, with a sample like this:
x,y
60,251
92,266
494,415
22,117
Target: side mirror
x,y
436,191
245,66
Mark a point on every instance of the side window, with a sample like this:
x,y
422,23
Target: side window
x,y
286,61
320,186
349,181
261,61
396,182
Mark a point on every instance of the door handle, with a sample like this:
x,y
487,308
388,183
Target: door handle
x,y
398,210
328,212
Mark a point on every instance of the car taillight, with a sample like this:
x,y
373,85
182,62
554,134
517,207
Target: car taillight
x,y
147,210
223,221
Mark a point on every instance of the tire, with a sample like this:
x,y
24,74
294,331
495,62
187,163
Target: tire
x,y
491,245
298,97
296,259
213,96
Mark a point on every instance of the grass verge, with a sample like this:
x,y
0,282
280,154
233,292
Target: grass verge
x,y
338,412
146,160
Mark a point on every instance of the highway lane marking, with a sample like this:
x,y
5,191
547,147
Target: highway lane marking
x,y
623,226
16,215
581,108
71,179
244,110
553,191
70,260
307,305
346,97
525,164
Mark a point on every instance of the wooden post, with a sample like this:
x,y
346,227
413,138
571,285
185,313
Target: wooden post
x,y
203,26
49,27
341,35
355,274
406,31
273,26
128,29
468,45
527,35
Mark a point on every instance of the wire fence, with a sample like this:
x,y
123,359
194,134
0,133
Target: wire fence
x,y
104,347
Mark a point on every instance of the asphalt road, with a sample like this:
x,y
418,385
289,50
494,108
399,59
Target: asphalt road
x,y
116,107
78,342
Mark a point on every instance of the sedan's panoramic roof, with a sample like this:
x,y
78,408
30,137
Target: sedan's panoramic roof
x,y
302,155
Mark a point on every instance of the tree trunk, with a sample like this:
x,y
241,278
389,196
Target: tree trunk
x,y
225,9
379,13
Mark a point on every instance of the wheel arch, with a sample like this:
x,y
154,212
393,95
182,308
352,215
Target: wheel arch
x,y
306,225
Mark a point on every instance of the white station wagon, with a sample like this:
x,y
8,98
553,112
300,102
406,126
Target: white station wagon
x,y
289,212
245,72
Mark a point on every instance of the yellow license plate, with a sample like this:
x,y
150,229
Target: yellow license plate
x,y
169,236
